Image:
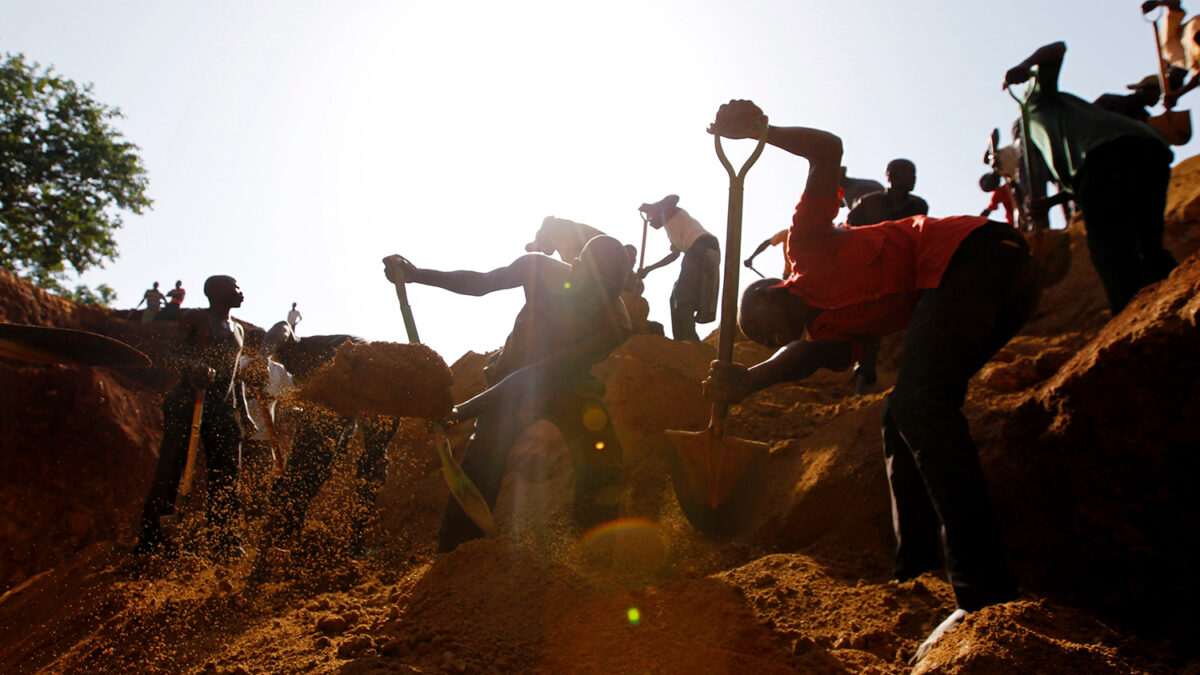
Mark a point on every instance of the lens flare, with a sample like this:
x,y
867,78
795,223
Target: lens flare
x,y
594,419
566,284
599,445
635,617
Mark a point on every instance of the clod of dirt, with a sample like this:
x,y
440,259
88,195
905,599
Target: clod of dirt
x,y
383,378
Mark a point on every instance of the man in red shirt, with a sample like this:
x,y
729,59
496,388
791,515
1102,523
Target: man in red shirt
x,y
963,286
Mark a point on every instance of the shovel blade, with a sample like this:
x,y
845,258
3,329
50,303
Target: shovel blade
x,y
461,487
43,344
719,480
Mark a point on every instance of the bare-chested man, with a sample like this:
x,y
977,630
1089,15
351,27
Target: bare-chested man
x,y
572,318
207,361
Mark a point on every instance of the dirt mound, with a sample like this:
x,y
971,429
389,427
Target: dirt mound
x,y
383,378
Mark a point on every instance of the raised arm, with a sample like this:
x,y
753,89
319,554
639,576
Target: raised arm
x,y
667,260
1047,59
823,150
521,272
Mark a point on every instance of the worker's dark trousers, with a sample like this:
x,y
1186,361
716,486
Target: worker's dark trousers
x,y
320,438
578,410
1122,191
221,434
940,506
685,295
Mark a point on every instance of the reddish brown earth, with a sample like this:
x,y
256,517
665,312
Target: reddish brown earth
x,y
1086,427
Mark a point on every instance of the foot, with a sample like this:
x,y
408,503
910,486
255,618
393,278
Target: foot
x,y
953,621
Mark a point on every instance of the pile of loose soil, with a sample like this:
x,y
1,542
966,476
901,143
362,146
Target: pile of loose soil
x,y
383,378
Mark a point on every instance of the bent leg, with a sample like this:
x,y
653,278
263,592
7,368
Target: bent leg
x,y
914,521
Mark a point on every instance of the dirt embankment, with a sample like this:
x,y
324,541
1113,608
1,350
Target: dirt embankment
x,y
1084,425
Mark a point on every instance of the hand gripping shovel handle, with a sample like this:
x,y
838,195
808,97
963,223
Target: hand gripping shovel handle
x,y
189,467
733,254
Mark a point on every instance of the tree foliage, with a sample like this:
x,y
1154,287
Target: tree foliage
x,y
66,177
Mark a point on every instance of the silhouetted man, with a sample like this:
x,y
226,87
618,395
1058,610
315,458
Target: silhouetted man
x,y
154,300
207,361
894,203
573,317
1116,168
963,286
321,437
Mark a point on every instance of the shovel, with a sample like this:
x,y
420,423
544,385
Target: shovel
x,y
645,229
189,467
464,491
720,479
43,344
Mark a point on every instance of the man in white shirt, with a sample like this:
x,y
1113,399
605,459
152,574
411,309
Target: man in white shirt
x,y
694,297
294,317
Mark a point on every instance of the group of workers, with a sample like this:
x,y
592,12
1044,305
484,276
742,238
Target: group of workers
x,y
960,286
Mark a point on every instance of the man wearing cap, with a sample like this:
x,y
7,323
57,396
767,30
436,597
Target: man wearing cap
x,y
1116,168
694,295
1146,92
963,286
567,237
573,317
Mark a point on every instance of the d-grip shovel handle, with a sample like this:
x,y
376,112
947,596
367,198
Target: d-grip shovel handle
x,y
410,326
733,255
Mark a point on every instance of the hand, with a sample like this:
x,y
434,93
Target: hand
x,y
641,274
201,376
1170,99
1017,75
727,382
738,119
393,262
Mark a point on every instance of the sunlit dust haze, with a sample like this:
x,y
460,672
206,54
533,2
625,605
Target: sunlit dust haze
x,y
294,144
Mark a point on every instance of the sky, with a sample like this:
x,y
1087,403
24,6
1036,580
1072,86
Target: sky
x,y
294,143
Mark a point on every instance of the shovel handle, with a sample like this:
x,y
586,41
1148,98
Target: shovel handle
x,y
410,326
189,467
1027,162
733,256
642,253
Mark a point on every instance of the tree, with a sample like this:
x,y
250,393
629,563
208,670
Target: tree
x,y
66,177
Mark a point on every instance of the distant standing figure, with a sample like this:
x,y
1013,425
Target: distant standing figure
x,y
567,237
894,203
175,295
779,239
294,317
694,297
1146,92
153,299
